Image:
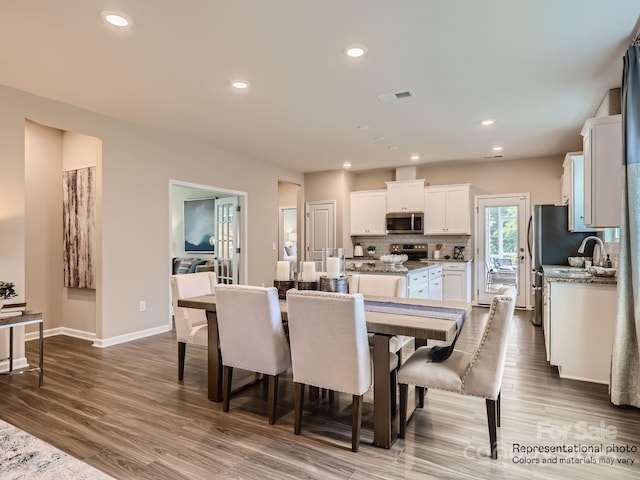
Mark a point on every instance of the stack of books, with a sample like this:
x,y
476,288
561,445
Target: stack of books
x,y
13,308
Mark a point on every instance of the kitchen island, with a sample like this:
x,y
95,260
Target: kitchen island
x,y
424,279
579,311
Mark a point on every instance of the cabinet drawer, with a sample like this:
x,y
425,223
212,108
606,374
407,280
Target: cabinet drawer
x,y
419,277
435,273
454,266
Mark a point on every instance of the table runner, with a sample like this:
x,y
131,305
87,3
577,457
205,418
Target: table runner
x,y
438,353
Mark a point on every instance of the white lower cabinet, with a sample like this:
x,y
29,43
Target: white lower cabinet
x,y
456,281
425,283
579,322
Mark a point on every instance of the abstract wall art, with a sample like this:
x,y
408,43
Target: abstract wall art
x,y
199,225
78,219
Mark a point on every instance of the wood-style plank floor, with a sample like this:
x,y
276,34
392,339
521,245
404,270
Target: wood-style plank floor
x,y
122,410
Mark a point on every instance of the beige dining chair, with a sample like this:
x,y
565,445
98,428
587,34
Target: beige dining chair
x,y
383,286
251,337
329,349
477,374
190,323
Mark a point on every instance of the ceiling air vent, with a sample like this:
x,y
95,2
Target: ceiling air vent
x,y
497,155
387,97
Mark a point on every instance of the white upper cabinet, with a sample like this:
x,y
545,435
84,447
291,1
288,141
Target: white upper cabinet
x,y
573,191
447,210
602,146
405,196
368,210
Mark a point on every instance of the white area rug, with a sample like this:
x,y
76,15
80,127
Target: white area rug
x,y
23,456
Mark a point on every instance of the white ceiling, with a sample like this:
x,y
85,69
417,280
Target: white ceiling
x,y
540,68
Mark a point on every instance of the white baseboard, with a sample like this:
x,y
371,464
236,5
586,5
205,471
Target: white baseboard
x,y
18,363
97,342
107,342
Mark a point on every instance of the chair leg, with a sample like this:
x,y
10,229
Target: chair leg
x,y
182,350
314,392
227,375
498,410
273,396
420,391
393,388
356,422
332,396
404,400
299,403
491,417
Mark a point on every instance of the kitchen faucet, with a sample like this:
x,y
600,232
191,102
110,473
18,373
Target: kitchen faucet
x,y
599,242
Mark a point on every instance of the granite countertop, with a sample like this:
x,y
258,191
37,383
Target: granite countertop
x,y
376,266
566,274
442,260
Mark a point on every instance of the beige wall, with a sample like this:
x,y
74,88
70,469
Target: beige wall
x,y
538,176
49,152
79,304
333,185
43,217
137,167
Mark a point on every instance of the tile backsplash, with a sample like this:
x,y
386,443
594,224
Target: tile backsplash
x,y
383,243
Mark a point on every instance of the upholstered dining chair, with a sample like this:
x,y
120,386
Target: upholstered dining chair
x,y
329,349
190,323
477,374
383,286
251,337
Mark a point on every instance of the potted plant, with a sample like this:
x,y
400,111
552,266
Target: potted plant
x,y
7,291
371,250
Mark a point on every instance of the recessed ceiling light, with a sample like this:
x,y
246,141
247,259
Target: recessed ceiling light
x,y
380,138
356,51
346,164
240,84
117,19
487,122
363,127
497,149
392,147
415,157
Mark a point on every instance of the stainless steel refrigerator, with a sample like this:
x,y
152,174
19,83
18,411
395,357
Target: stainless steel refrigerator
x,y
550,243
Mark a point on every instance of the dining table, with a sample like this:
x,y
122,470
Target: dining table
x,y
386,317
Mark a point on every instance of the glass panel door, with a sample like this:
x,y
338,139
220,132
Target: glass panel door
x,y
227,239
501,247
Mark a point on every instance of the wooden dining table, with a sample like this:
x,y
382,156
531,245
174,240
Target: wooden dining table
x,y
382,324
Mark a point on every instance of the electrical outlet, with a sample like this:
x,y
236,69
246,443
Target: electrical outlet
x,y
274,245
142,305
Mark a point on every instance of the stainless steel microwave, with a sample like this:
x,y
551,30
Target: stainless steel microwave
x,y
405,222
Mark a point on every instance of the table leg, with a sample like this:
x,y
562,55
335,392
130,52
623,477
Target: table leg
x,y
41,351
10,349
214,359
385,426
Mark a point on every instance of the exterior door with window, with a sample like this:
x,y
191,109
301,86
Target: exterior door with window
x,y
501,223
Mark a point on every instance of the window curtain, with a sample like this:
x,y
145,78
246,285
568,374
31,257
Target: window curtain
x,y
625,361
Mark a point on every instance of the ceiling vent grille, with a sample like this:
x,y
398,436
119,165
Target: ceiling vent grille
x,y
388,97
497,155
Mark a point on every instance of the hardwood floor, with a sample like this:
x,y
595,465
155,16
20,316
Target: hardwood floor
x,y
122,410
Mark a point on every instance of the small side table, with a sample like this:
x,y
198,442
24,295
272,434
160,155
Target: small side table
x,y
27,318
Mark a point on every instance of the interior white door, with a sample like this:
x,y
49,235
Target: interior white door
x,y
321,228
501,259
227,240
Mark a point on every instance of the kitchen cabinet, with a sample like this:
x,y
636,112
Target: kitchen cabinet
x,y
368,209
573,191
425,283
456,281
579,322
546,310
405,196
447,210
602,147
